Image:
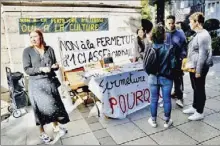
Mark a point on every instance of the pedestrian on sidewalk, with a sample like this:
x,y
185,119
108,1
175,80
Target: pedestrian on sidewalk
x,y
140,42
176,38
39,63
199,58
160,76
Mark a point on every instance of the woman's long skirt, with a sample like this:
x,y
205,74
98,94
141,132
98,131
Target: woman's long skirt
x,y
46,102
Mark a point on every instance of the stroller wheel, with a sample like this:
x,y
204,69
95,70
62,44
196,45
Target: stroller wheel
x,y
16,113
5,116
10,108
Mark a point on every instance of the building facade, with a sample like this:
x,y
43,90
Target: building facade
x,y
183,8
121,16
212,9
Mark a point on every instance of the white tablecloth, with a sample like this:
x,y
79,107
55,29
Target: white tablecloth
x,y
121,91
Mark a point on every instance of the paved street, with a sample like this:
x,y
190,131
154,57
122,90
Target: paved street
x,y
132,130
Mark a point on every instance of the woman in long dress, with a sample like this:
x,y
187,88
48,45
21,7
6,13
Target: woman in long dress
x,y
39,63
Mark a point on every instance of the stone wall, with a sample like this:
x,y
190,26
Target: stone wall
x,y
125,18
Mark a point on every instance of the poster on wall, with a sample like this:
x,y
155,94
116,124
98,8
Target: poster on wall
x,y
54,25
79,50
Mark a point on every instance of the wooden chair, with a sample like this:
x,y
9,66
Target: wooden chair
x,y
76,83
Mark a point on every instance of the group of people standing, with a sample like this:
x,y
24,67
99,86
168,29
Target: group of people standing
x,y
199,57
39,63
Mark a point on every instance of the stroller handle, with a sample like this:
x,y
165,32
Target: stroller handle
x,y
8,70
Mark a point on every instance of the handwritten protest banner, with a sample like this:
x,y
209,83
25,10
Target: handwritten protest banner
x,y
79,50
54,25
122,94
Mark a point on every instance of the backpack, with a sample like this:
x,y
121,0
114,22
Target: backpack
x,y
150,59
151,64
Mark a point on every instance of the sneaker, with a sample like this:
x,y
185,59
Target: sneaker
x,y
179,102
152,122
168,124
161,104
196,116
45,138
190,110
62,131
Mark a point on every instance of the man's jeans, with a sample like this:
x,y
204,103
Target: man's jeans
x,y
155,83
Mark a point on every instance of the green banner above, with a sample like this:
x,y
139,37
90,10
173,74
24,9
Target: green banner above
x,y
53,25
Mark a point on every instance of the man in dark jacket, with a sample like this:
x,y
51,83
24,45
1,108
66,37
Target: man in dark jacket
x,y
176,38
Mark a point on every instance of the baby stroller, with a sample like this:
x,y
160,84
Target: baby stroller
x,y
18,95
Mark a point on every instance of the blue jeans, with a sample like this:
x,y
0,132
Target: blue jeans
x,y
155,83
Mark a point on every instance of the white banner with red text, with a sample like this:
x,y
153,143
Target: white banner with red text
x,y
122,94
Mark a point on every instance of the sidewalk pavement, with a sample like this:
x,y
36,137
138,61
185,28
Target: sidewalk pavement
x,y
134,129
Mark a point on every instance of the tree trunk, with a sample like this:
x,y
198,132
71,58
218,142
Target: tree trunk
x,y
160,11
